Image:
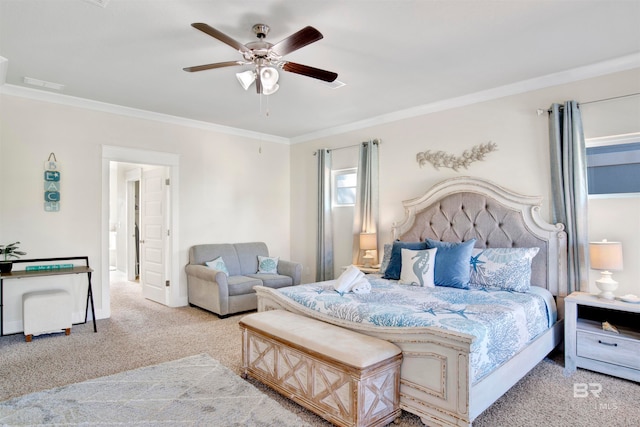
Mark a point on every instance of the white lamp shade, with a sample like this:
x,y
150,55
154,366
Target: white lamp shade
x,y
605,255
246,78
368,241
270,90
269,76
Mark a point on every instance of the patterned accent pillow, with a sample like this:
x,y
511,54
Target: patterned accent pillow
x,y
267,265
418,267
395,261
218,264
451,262
508,269
386,257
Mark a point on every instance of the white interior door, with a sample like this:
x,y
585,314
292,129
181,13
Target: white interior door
x,y
153,234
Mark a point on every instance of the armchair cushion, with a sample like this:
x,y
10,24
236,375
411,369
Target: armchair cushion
x,y
241,285
273,280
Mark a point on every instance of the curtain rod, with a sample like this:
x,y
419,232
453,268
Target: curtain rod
x,y
541,111
375,141
609,99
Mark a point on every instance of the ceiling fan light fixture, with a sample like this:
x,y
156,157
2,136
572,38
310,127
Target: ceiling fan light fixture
x,y
269,77
246,78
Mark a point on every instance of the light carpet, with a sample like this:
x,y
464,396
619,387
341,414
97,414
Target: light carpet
x,y
141,333
193,391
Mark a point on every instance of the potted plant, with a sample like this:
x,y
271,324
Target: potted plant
x,y
7,252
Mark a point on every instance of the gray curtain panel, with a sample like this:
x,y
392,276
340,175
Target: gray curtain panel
x,y
569,190
324,259
365,216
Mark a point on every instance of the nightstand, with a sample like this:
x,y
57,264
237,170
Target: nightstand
x,y
365,270
588,346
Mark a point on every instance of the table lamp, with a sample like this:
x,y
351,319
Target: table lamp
x,y
368,244
606,256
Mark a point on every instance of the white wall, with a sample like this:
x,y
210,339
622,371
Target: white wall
x,y
229,189
521,162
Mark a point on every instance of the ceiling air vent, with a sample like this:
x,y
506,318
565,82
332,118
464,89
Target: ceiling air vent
x,y
41,83
335,84
101,3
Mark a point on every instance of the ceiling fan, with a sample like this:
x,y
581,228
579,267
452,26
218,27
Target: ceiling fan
x,y
266,57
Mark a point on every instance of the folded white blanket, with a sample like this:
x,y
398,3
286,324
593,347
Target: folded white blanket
x,y
361,286
347,279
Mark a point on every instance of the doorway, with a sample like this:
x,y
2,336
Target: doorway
x,y
139,219
135,179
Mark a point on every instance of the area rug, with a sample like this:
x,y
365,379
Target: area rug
x,y
194,391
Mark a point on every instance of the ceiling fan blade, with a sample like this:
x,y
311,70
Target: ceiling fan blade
x,y
305,36
215,65
221,36
305,70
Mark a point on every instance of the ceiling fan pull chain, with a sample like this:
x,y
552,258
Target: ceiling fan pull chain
x,y
267,111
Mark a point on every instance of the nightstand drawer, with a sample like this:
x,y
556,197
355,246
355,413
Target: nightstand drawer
x,y
608,348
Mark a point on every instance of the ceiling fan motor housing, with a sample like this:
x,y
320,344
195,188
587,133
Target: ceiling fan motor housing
x,y
261,30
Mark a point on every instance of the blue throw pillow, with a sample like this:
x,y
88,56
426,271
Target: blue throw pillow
x,y
452,262
395,262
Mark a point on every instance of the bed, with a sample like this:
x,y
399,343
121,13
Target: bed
x,y
441,379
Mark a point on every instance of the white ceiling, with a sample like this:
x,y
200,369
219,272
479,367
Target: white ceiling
x,y
393,55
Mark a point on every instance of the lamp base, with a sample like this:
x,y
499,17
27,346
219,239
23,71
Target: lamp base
x,y
367,258
607,285
367,261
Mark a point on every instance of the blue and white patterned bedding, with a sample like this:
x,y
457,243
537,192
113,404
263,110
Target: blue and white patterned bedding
x,y
502,322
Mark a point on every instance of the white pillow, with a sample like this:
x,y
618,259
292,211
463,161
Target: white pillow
x,y
418,267
267,265
218,264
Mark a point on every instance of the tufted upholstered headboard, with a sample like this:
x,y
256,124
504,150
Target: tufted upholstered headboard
x,y
459,209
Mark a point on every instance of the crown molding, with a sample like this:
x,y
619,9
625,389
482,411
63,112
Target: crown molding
x,y
72,101
589,71
581,73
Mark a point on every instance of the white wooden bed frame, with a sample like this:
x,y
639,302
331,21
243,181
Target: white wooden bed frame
x,y
435,373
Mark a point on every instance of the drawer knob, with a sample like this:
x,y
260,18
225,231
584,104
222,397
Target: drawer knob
x,y
608,343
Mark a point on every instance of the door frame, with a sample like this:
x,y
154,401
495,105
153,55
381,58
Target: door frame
x,y
157,158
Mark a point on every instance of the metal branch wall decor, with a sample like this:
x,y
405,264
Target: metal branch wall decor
x,y
440,159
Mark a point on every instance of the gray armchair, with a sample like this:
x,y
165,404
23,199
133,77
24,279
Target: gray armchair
x,y
224,295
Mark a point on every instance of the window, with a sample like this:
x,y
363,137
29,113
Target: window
x,y
344,187
613,165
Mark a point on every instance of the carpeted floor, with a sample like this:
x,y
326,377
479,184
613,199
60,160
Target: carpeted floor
x,y
142,333
193,391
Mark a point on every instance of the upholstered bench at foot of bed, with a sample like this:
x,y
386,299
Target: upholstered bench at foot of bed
x,y
349,379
